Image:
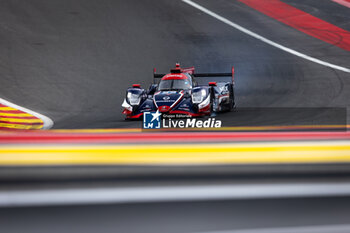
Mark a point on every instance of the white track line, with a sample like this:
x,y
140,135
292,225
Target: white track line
x,y
257,36
339,228
172,194
48,123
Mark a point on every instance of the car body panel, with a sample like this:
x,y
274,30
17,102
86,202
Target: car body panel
x,y
184,95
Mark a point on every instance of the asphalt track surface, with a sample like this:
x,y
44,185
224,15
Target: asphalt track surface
x,y
190,217
254,215
73,60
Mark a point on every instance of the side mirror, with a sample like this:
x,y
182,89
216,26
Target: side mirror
x,y
152,89
187,94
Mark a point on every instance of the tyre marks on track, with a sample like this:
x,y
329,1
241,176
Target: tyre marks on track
x,y
263,39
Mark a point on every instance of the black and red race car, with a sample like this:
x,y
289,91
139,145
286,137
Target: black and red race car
x,y
180,92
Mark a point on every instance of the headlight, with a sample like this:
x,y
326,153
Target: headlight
x,y
198,96
134,99
127,106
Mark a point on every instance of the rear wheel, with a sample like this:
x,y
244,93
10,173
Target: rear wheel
x,y
232,99
230,106
212,112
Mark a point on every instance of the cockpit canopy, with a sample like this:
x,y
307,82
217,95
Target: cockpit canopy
x,y
174,82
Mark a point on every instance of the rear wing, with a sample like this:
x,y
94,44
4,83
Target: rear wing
x,y
199,75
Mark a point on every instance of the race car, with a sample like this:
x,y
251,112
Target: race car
x,y
180,93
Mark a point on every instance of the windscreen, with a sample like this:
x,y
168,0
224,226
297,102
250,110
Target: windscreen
x,y
174,84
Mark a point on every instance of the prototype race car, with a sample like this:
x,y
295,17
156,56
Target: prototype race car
x,y
179,92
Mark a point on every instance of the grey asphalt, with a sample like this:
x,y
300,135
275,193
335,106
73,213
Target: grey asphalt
x,y
181,217
299,215
73,60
